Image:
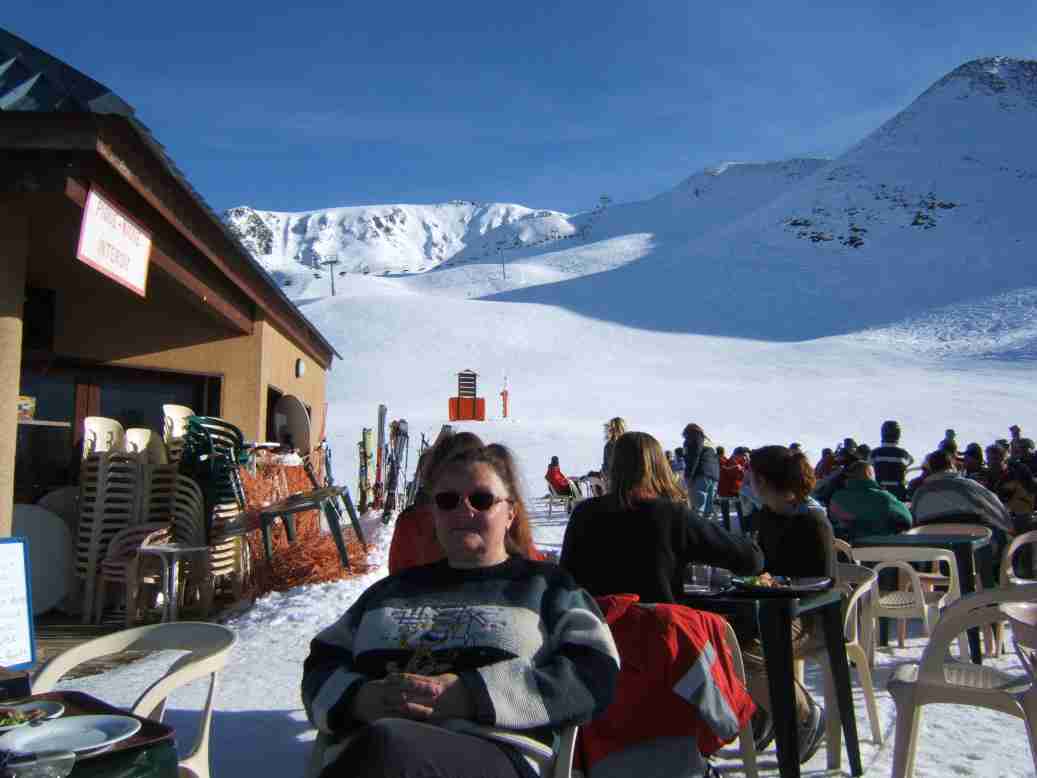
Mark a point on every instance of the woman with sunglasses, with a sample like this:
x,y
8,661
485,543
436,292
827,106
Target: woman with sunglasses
x,y
435,670
414,539
638,538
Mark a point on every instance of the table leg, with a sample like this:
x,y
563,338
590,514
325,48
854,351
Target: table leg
x,y
268,546
967,581
832,621
289,527
333,517
776,637
174,581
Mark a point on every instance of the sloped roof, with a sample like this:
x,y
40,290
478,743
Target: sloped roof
x,y
32,80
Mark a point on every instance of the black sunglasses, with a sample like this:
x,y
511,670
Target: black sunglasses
x,y
479,501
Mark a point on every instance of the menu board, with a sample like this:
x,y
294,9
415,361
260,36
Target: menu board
x,y
17,647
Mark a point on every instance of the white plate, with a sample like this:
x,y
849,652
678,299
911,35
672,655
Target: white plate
x,y
72,733
51,710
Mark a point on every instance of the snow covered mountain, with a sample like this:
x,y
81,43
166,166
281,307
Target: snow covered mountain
x,y
930,211
389,239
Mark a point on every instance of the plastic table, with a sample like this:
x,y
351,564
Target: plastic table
x,y
169,554
773,615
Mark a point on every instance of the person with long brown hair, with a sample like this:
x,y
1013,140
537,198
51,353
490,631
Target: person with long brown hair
x,y
797,540
414,540
434,671
638,538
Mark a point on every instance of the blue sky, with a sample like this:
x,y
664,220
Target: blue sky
x,y
549,104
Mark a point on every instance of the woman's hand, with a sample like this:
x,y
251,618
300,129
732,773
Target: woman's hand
x,y
410,696
434,696
387,698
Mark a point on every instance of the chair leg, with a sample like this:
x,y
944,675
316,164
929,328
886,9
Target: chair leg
x,y
89,582
99,593
747,749
902,632
132,597
864,677
1028,700
833,722
207,595
909,716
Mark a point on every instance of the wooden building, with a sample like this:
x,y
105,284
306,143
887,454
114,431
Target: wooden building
x,y
177,312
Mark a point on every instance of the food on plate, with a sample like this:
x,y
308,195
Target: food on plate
x,y
765,580
13,717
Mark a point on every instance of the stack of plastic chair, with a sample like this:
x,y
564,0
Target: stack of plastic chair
x,y
124,565
226,557
154,492
147,444
213,449
109,491
174,429
102,434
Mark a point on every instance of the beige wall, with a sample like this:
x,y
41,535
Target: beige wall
x,y
100,321
278,370
14,251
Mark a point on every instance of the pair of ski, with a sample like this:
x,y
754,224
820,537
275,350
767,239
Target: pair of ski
x,y
390,466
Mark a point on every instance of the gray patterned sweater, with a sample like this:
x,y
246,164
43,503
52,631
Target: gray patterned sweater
x,y
531,648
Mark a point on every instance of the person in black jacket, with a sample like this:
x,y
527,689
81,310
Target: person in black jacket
x,y
798,541
701,470
638,538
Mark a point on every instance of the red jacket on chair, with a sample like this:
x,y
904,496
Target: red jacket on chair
x,y
677,688
557,479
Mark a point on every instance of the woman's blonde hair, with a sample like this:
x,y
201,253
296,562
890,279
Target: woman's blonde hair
x,y
640,471
616,427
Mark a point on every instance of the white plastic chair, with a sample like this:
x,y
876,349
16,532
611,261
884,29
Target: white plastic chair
x,y
935,578
122,565
1008,575
860,584
567,501
147,444
109,501
913,602
175,421
209,646
746,742
844,548
554,763
936,680
102,434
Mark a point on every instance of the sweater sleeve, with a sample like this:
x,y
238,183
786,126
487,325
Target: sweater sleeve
x,y
711,544
571,680
329,682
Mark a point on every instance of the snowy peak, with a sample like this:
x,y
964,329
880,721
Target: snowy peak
x,y
1004,77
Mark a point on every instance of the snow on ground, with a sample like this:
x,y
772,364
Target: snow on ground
x,y
260,728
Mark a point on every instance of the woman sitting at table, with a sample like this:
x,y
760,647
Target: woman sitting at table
x,y
797,540
414,534
431,670
638,538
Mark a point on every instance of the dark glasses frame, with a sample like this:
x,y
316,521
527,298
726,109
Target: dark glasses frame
x,y
478,500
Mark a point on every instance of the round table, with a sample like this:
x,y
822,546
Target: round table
x,y
51,554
